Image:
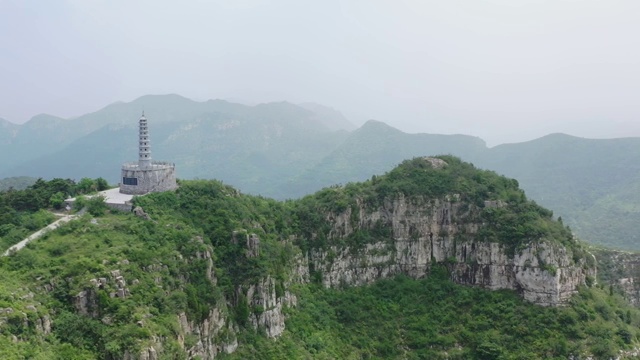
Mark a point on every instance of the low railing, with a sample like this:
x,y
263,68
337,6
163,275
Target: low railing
x,y
153,165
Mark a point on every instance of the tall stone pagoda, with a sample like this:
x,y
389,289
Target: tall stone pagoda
x,y
145,175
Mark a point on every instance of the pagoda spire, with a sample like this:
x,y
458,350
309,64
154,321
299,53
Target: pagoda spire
x,y
144,159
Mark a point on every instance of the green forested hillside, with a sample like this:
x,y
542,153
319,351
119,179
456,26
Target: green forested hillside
x,y
250,147
165,276
22,212
193,258
433,318
518,223
286,151
373,149
17,183
44,135
7,132
611,219
590,183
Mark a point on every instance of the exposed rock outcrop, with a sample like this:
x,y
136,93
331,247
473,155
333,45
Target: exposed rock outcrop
x,y
86,303
621,271
149,353
368,241
205,254
209,337
426,231
43,324
267,303
253,246
139,212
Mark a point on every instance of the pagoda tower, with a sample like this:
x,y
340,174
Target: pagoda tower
x,y
146,175
144,154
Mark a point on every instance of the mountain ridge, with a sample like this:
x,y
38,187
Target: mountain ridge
x,y
285,151
210,272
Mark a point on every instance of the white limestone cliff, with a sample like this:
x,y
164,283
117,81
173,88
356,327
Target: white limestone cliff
x,y
426,231
417,233
264,296
621,271
211,336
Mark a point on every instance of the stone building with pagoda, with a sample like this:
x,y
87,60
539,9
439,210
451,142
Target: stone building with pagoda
x,y
145,175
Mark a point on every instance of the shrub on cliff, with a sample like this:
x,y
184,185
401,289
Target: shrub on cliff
x,y
511,218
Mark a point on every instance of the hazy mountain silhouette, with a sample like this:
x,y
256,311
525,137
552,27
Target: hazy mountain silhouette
x,y
284,151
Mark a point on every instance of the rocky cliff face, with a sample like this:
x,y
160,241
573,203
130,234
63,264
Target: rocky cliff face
x,y
264,297
209,337
216,333
422,232
621,270
222,291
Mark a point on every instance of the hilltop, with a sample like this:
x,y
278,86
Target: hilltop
x,y
286,151
213,272
16,183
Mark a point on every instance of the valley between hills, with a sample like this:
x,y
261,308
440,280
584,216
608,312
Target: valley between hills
x,y
434,259
319,240
285,151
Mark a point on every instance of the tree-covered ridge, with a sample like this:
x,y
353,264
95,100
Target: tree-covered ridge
x,y
24,211
433,318
16,183
283,151
506,215
165,270
194,256
64,261
224,217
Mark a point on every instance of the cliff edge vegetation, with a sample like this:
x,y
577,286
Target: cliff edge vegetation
x,y
434,259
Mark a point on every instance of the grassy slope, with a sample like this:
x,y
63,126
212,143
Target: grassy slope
x,y
590,183
518,223
395,318
585,181
68,258
433,318
16,183
159,255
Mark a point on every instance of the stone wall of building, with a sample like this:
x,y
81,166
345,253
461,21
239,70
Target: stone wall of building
x,y
155,178
126,207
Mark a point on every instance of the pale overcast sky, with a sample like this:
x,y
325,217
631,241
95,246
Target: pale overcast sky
x,y
504,70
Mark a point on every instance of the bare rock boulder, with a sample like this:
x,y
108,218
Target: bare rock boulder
x,y
139,212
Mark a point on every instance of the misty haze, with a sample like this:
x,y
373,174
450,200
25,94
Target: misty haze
x,y
319,180
501,70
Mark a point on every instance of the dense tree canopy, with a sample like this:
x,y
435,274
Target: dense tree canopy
x,y
193,256
23,211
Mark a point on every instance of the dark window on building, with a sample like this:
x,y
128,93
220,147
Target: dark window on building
x,y
129,181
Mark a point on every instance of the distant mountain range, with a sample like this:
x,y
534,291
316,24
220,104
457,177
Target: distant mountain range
x,y
16,183
284,150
